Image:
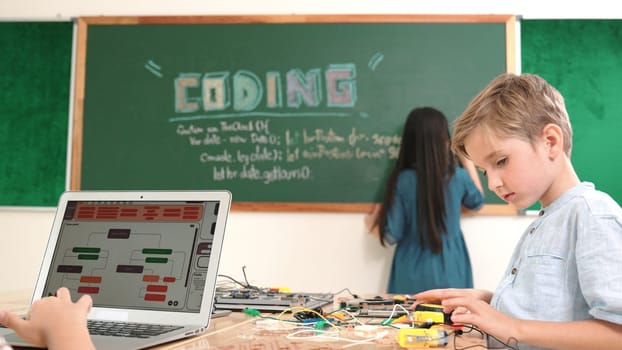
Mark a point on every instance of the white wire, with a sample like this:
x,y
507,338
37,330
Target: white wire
x,y
314,336
354,342
395,309
322,335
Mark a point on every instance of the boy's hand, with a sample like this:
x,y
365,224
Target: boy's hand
x,y
436,296
471,307
476,312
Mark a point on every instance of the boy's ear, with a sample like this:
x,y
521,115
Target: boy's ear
x,y
553,139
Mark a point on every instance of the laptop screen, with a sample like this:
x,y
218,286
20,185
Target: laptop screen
x,y
147,255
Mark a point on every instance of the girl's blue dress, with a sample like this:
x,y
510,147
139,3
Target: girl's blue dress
x,y
416,268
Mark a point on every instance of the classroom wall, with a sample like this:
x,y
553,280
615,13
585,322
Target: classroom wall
x,y
64,9
308,252
311,252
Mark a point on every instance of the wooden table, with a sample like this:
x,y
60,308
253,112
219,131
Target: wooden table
x,y
238,331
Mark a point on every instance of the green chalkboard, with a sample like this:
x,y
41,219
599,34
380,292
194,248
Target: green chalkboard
x,y
35,69
276,110
583,60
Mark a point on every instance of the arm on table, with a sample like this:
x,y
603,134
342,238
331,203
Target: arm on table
x,y
472,307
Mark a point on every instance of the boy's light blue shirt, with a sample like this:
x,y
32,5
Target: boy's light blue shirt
x,y
567,265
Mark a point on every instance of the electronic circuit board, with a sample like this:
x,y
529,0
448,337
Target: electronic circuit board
x,y
238,300
377,306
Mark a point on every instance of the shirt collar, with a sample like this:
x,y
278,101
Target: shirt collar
x,y
567,196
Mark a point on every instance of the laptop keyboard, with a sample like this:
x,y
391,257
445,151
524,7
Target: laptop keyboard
x,y
126,329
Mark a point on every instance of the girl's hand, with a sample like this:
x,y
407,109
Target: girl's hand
x,y
54,322
370,219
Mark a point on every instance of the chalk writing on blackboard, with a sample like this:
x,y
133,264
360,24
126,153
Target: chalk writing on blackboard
x,y
243,91
249,150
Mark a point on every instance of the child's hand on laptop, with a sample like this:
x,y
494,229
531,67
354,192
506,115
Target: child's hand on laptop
x,y
54,322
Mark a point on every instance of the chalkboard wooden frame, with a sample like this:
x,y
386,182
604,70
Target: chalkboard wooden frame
x,y
80,70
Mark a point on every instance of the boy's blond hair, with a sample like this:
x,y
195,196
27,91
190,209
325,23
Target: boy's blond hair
x,y
514,106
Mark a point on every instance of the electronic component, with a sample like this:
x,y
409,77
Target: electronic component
x,y
376,302
238,300
422,337
378,307
431,314
381,313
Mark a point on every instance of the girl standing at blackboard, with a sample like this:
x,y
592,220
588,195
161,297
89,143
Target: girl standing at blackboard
x,y
421,208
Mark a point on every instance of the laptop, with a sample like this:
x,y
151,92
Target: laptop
x,y
148,259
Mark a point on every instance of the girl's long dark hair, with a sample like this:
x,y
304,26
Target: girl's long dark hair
x,y
424,148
